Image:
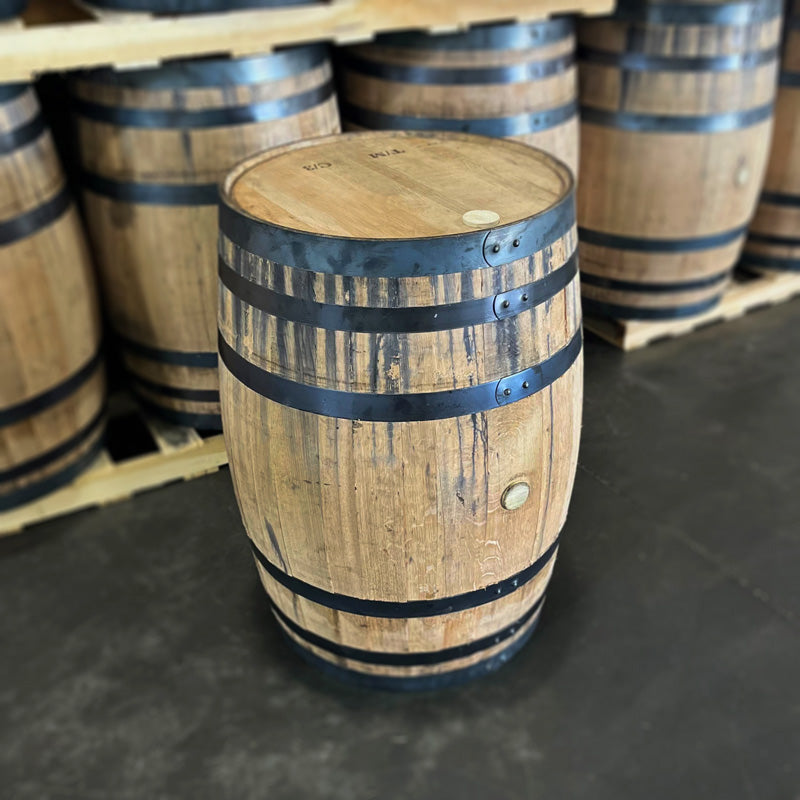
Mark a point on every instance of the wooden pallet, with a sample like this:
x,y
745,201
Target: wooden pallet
x,y
60,35
747,293
177,453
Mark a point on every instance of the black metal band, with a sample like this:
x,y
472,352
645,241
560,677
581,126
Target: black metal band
x,y
55,453
777,241
205,118
16,228
44,400
388,258
178,358
177,392
790,79
52,482
602,282
516,125
19,137
203,422
10,91
409,659
511,36
457,76
410,407
413,319
194,6
417,683
387,609
643,62
599,309
197,73
736,13
770,262
667,123
600,239
780,199
162,194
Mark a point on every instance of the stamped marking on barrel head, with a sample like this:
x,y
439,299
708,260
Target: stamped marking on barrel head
x,y
479,218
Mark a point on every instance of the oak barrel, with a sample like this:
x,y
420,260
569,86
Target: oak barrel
x,y
676,110
773,242
52,387
401,382
154,145
510,80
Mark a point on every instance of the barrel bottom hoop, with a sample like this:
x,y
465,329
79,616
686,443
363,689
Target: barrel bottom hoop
x,y
409,319
411,407
600,281
515,125
388,609
177,392
202,422
31,222
442,680
409,659
600,309
52,482
177,358
667,246
159,194
23,135
48,398
757,261
55,453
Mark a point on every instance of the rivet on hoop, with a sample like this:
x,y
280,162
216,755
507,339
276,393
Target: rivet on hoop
x,y
506,392
525,384
496,248
515,495
516,242
506,303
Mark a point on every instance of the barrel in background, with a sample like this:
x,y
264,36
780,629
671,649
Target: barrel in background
x,y
773,242
510,80
154,144
401,383
52,390
675,127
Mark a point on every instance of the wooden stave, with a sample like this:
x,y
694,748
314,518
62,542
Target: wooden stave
x,y
52,423
543,105
164,386
606,264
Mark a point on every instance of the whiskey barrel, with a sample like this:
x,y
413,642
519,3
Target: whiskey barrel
x,y
676,110
401,382
773,242
52,387
511,80
154,145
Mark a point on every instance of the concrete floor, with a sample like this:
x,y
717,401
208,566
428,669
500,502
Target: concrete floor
x,y
139,659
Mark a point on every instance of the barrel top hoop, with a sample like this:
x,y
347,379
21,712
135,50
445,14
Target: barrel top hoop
x,y
433,255
509,36
10,91
618,242
406,407
23,135
734,14
200,73
643,62
386,609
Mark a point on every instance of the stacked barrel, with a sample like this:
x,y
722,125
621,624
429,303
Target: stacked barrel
x,y
52,391
676,115
773,243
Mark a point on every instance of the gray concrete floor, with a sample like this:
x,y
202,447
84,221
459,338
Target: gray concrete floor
x,y
139,659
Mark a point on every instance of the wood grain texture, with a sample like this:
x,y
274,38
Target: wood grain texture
x,y
158,261
407,510
431,99
50,321
666,181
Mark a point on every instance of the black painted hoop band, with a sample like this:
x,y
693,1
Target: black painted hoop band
x,y
778,241
178,358
19,137
515,125
642,62
779,199
36,219
201,73
44,400
457,76
770,262
631,312
601,239
265,111
11,91
664,123
736,13
413,659
398,258
387,609
600,281
411,407
176,392
202,422
413,319
166,194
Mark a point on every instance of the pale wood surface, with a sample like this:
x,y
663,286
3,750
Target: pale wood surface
x,y
53,43
406,510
